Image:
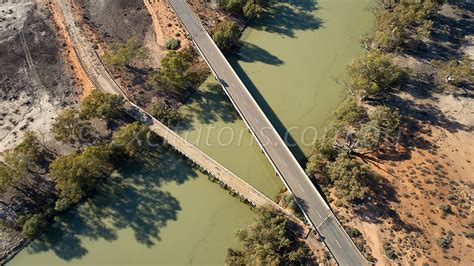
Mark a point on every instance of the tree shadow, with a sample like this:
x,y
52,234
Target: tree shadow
x,y
251,53
132,199
416,114
208,106
448,35
378,208
288,16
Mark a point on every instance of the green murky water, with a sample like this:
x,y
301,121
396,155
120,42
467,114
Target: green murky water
x,y
164,212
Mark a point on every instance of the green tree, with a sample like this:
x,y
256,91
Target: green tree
x,y
174,77
226,35
101,105
20,165
235,6
382,129
11,179
250,10
34,225
68,126
167,115
388,120
323,152
173,44
134,139
76,175
373,73
459,73
122,54
350,179
267,242
401,24
29,155
349,113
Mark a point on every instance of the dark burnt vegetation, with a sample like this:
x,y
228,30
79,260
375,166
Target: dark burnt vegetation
x,y
161,89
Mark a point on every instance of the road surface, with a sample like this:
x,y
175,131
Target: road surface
x,y
310,200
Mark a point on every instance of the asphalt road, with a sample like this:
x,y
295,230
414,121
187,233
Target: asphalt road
x,y
313,205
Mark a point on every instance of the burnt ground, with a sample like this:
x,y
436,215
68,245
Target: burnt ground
x,y
35,81
118,20
31,93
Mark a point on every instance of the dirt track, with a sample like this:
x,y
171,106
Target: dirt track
x,y
33,90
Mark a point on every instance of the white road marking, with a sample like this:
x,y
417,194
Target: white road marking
x,y
323,221
318,214
301,187
337,242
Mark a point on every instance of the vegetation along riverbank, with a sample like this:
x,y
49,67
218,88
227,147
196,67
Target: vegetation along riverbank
x,y
390,161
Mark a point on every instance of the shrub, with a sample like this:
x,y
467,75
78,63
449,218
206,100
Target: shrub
x,y
167,115
353,232
373,73
226,35
123,54
444,242
446,209
34,225
389,252
173,44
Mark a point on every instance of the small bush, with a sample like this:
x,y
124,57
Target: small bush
x,y
446,209
389,252
353,232
34,225
444,242
173,44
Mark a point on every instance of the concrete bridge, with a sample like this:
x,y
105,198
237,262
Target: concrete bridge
x,y
102,80
313,205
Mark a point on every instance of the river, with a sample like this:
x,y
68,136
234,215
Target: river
x,y
164,212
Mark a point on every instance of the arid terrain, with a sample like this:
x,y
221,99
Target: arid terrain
x,y
432,166
36,80
35,77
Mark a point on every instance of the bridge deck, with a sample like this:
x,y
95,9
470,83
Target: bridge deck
x,y
309,199
99,75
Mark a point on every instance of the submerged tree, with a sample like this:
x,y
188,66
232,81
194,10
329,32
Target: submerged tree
x,y
76,175
267,242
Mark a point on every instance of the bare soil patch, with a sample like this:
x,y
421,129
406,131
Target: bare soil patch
x,y
31,92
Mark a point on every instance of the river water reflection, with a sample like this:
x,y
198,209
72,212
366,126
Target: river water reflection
x,y
164,212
